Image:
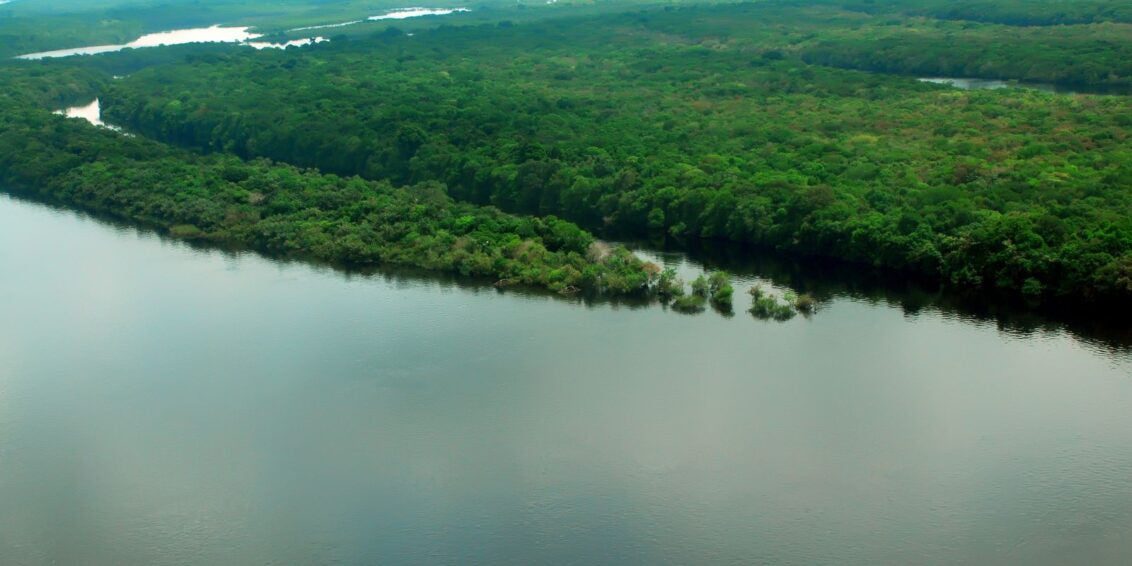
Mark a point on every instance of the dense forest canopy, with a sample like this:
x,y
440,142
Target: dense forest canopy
x,y
771,123
285,210
1011,12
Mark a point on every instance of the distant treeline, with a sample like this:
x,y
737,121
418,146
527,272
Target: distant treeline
x,y
1092,56
1009,12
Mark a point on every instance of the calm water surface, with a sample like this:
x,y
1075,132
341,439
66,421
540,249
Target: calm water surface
x,y
91,112
212,34
964,83
398,14
165,405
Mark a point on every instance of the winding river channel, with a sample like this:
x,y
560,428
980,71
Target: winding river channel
x,y
162,404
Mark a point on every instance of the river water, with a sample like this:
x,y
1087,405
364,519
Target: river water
x,y
964,83
399,14
239,35
91,112
161,404
212,34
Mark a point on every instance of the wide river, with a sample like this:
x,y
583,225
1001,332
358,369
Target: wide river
x,y
161,404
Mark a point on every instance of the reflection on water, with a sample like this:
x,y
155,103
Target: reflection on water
x,y
162,404
90,112
828,280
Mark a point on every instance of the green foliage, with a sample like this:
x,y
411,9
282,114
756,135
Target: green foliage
x,y
805,303
689,304
1011,12
686,121
185,231
1016,190
1085,55
766,307
719,286
669,285
700,287
285,210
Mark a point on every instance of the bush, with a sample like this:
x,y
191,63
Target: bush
x,y
700,287
689,304
805,303
668,285
721,290
187,231
766,307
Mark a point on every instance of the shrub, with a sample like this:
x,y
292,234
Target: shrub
x,y
668,285
700,287
719,284
768,307
187,231
805,303
689,304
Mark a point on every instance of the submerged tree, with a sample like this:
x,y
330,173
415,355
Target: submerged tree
x,y
700,287
669,285
719,284
767,307
689,304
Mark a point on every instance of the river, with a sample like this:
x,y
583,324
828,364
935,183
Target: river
x,y
212,34
965,83
161,404
239,35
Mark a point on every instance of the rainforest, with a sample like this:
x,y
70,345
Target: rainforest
x,y
807,134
